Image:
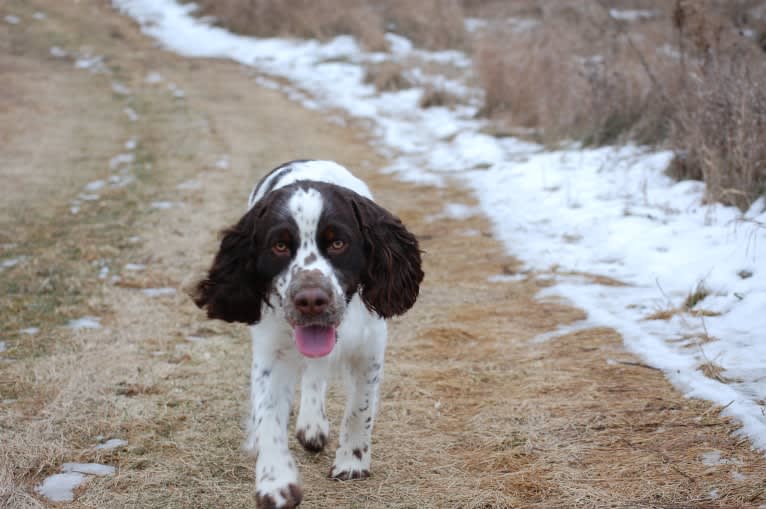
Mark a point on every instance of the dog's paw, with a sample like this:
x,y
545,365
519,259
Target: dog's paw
x,y
312,442
285,498
341,474
351,464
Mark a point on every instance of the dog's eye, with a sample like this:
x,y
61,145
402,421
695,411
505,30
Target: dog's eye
x,y
280,249
337,246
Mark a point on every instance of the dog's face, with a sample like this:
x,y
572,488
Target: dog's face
x,y
306,249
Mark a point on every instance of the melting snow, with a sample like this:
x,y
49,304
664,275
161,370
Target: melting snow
x,y
11,262
189,184
120,89
112,443
123,159
222,163
30,331
153,77
158,292
60,487
86,322
57,52
162,204
131,113
95,185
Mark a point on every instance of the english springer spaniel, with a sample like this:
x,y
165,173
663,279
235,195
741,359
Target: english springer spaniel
x,y
315,266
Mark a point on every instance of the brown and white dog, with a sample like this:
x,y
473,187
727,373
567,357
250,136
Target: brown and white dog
x,y
315,267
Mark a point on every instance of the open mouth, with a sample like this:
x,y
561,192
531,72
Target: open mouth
x,y
314,340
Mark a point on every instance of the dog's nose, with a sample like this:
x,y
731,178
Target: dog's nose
x,y
312,301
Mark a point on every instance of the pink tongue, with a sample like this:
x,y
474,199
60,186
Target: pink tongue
x,y
315,340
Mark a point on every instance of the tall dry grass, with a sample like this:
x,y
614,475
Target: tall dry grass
x,y
719,130
687,74
432,24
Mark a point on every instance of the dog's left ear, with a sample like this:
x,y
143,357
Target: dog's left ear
x,y
391,280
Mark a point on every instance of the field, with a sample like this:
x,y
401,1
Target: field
x,y
474,414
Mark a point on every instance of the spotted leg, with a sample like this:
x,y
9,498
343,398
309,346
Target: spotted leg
x,y
312,427
276,474
352,459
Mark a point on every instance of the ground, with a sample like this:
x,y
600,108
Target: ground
x,y
474,412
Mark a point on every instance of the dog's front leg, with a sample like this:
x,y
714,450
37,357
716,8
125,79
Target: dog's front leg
x,y
352,459
272,387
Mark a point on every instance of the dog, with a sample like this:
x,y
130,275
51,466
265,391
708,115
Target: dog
x,y
316,267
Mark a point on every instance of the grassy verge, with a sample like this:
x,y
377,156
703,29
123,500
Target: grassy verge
x,y
690,76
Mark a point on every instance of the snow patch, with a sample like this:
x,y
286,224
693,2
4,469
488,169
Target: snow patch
x,y
112,443
60,487
158,292
86,322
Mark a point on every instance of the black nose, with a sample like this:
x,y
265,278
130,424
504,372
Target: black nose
x,y
311,301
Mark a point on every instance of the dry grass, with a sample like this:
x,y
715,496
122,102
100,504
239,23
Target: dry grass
x,y
433,24
387,76
572,71
685,76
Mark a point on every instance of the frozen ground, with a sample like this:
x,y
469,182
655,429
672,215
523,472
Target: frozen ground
x,y
609,211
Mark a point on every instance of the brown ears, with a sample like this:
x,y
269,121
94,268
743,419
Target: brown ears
x,y
391,280
232,290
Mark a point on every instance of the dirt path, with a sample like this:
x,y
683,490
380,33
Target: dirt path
x,y
473,413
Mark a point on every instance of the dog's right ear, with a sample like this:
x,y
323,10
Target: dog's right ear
x,y
232,290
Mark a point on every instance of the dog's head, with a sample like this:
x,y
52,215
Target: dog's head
x,y
306,249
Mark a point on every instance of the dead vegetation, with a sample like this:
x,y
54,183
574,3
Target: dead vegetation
x,y
687,75
433,24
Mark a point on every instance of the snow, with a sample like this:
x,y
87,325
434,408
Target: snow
x,y
124,158
86,322
153,77
162,204
112,443
30,331
88,468
58,52
607,211
3,346
632,14
120,88
158,292
60,487
130,113
11,262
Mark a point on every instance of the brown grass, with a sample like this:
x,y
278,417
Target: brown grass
x,y
387,76
433,24
685,77
574,72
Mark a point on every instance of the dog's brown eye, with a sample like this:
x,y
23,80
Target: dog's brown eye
x,y
280,249
338,246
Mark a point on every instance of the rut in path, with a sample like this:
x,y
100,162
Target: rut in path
x,y
473,412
